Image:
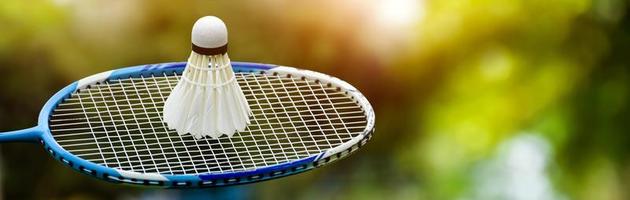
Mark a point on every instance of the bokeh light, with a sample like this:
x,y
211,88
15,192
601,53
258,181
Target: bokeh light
x,y
474,99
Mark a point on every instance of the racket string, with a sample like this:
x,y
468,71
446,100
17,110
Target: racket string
x,y
170,169
118,160
258,102
119,124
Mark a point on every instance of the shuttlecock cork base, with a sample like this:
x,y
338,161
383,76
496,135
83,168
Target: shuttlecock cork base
x,y
207,100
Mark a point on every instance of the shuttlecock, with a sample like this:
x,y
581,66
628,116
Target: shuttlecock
x,y
207,100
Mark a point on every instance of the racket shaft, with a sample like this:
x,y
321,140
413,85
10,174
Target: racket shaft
x,y
25,135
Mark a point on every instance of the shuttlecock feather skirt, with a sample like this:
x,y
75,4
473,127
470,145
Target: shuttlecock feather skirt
x,y
207,100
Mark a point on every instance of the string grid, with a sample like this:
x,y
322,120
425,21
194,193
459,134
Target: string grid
x,y
119,124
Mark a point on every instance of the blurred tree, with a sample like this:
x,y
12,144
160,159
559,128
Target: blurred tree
x,y
454,83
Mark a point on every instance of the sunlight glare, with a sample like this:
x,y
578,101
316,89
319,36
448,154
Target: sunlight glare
x,y
398,13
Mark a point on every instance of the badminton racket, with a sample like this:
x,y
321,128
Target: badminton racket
x,y
109,126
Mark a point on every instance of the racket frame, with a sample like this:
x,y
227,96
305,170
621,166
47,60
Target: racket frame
x,y
41,133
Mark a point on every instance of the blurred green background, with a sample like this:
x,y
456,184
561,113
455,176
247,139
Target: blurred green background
x,y
474,99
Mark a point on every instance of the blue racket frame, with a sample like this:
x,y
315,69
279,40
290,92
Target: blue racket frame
x,y
42,134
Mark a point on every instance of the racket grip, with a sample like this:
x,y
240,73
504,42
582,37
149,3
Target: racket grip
x,y
24,135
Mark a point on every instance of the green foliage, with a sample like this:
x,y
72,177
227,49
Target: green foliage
x,y
454,84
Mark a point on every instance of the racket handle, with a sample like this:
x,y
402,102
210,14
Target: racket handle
x,y
24,135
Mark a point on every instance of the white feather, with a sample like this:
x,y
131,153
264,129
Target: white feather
x,y
207,101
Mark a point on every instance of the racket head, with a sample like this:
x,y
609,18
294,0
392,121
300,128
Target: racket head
x,y
187,180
